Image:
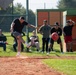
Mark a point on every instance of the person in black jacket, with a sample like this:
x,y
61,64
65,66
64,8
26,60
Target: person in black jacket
x,y
57,29
3,40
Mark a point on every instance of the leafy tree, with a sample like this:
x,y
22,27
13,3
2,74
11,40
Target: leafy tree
x,y
19,9
66,4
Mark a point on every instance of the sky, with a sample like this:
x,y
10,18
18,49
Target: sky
x,y
38,4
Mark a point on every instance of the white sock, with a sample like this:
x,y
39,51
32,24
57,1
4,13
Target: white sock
x,y
18,53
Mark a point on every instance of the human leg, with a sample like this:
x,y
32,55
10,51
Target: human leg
x,y
18,35
51,45
70,45
43,44
4,46
60,42
68,41
22,47
47,41
14,46
19,47
37,45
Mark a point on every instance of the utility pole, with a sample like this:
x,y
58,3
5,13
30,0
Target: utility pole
x,y
12,10
44,5
27,11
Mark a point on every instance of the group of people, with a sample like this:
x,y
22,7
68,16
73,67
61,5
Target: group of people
x,y
45,30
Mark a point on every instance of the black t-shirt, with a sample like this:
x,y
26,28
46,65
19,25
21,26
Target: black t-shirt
x,y
59,31
68,30
18,26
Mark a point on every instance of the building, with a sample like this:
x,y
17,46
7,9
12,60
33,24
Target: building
x,y
57,15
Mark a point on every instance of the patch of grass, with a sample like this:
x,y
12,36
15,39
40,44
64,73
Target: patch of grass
x,y
65,66
34,53
8,53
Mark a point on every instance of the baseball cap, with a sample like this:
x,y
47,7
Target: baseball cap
x,y
22,17
56,23
68,21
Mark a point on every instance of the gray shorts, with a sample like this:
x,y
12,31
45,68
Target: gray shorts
x,y
15,34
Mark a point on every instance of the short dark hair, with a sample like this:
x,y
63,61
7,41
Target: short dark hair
x,y
45,21
22,18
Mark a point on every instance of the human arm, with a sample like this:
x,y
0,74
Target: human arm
x,y
32,26
64,32
12,25
40,30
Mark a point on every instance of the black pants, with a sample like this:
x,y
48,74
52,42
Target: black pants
x,y
15,45
45,41
3,45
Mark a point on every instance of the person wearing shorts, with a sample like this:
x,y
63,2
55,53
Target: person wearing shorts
x,y
16,29
58,30
15,43
67,31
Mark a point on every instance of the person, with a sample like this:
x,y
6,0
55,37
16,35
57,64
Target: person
x,y
58,30
34,41
3,40
15,43
16,29
45,31
67,32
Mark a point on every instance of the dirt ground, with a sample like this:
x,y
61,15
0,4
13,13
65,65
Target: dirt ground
x,y
25,66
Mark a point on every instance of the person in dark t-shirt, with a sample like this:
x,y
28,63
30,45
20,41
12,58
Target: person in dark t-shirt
x,y
45,31
15,43
16,29
58,30
67,31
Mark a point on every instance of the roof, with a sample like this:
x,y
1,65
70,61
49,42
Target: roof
x,y
69,11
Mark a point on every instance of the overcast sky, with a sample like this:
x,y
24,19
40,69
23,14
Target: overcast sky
x,y
39,4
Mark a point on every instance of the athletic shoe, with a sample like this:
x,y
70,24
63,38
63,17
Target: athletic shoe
x,y
18,54
48,53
